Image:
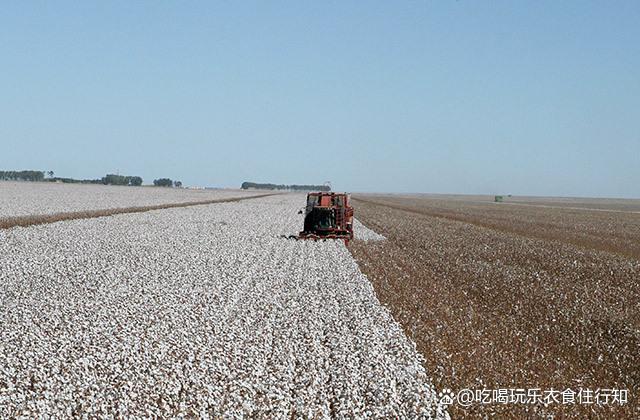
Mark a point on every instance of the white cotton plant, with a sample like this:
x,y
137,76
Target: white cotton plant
x,y
200,311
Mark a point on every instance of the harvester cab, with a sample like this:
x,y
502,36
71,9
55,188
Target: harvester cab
x,y
328,215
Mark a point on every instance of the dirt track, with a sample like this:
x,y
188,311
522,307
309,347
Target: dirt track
x,y
511,296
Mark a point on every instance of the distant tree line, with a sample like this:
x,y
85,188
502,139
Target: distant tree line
x,y
109,179
253,185
166,182
22,175
74,181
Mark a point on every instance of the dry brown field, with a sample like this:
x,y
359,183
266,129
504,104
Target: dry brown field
x,y
530,293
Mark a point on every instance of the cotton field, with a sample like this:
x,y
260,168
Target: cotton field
x,y
198,311
39,198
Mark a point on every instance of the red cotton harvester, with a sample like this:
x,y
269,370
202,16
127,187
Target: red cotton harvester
x,y
328,215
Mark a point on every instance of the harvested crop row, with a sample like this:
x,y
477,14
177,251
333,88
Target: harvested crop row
x,y
611,230
498,310
41,198
198,311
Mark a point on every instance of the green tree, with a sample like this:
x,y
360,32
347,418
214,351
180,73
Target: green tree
x,y
163,182
22,175
112,179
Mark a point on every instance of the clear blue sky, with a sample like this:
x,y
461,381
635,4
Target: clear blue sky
x,y
535,98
